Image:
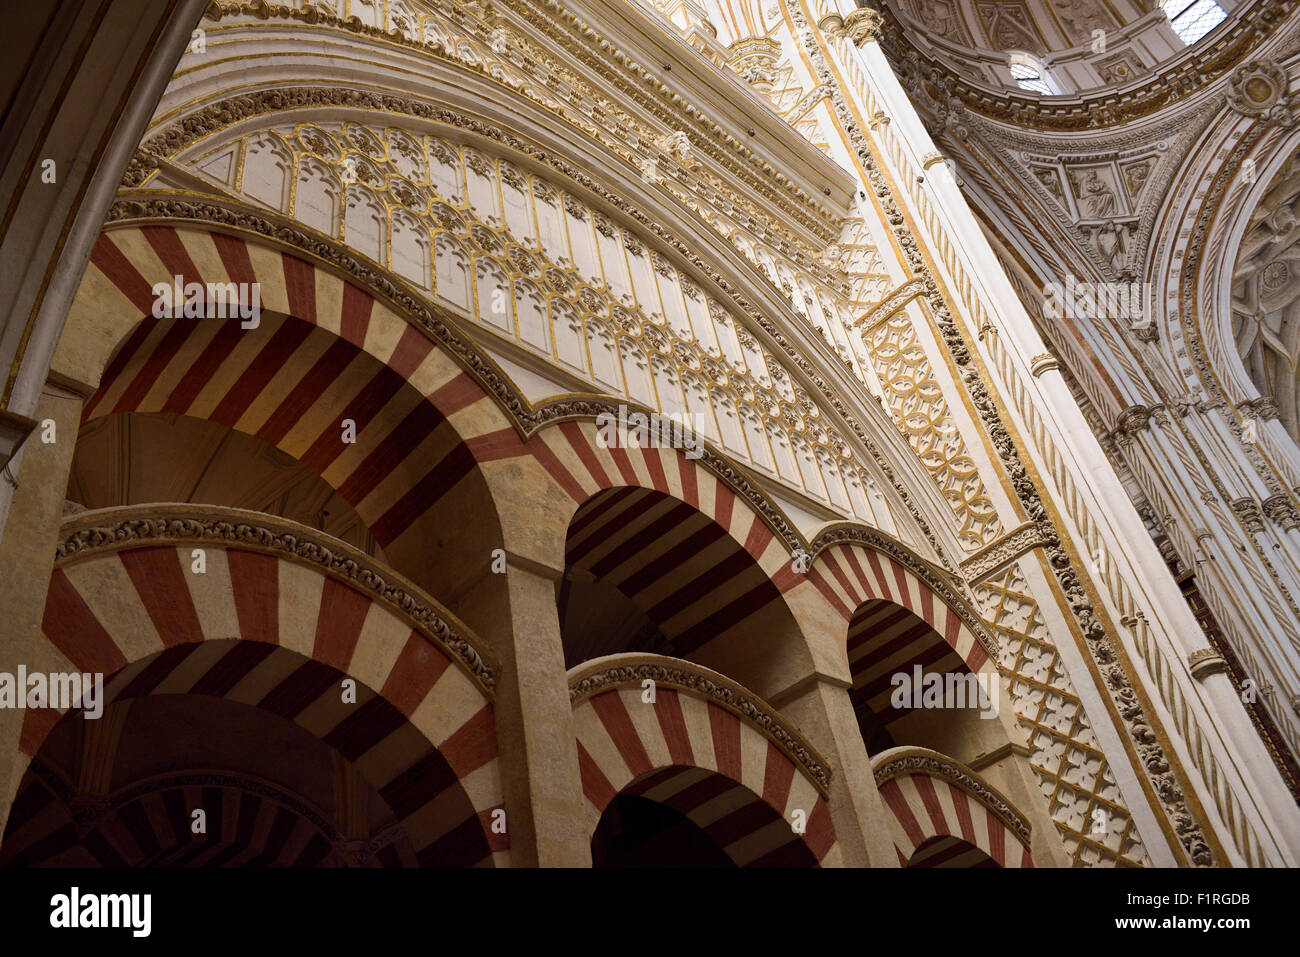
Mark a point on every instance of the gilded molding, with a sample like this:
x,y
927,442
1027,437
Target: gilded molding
x,y
1003,552
863,25
630,670
736,157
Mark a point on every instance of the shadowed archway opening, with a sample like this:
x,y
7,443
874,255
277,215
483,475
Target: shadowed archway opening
x,y
288,766
647,572
636,832
690,817
293,418
893,653
949,852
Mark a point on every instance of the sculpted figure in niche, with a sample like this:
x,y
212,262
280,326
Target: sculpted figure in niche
x,y
1097,198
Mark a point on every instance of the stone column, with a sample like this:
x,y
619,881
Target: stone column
x,y
534,720
39,480
97,755
820,708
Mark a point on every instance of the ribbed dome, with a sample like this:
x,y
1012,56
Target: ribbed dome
x,y
1056,46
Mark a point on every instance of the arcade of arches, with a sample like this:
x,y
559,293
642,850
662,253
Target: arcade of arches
x,y
318,477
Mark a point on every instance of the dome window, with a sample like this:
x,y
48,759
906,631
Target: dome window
x,y
1193,19
1028,72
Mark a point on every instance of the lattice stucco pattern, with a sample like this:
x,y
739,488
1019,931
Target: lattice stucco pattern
x,y
1082,796
914,397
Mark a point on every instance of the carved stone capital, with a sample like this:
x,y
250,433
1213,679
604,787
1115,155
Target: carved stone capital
x,y
1205,662
863,25
1281,510
1265,407
1132,421
1043,362
1248,512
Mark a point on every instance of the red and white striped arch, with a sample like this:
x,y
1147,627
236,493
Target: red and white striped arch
x,y
571,453
324,351
698,757
850,576
327,350
924,806
249,824
894,622
668,532
143,617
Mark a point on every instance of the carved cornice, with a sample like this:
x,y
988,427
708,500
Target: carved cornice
x,y
999,554
109,530
1116,679
630,670
630,79
901,762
